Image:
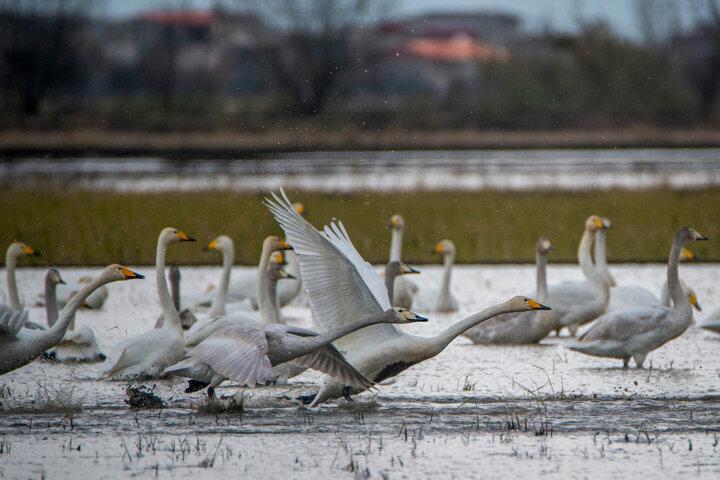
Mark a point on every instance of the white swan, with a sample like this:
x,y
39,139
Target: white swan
x,y
77,345
15,251
247,354
20,346
636,331
574,304
341,287
404,289
525,327
439,299
269,312
148,354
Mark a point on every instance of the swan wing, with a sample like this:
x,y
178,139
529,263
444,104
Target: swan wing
x,y
331,362
11,321
238,353
621,325
340,285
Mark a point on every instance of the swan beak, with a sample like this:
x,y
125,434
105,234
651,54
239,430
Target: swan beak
x,y
418,318
211,246
299,208
279,258
598,223
408,269
284,245
438,248
129,274
290,276
184,237
537,305
688,255
62,281
694,302
702,237
30,252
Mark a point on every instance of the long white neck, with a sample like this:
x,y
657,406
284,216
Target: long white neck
x,y
218,303
681,304
266,291
395,244
51,308
439,342
586,264
54,334
448,261
13,297
601,264
541,276
293,268
171,318
336,333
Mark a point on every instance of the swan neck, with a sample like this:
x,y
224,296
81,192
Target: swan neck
x,y
334,334
390,283
395,244
171,319
51,308
665,294
541,277
67,315
448,261
218,303
175,291
680,300
13,297
587,266
442,340
266,290
601,258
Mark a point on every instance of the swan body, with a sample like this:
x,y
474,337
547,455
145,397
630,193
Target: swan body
x,y
523,327
342,287
404,289
147,355
574,304
440,299
636,331
20,346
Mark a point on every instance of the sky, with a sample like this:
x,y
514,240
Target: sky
x,y
558,14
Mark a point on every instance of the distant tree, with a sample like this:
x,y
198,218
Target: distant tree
x,y
308,44
39,42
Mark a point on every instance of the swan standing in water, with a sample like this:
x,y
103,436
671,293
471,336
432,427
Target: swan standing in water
x,y
342,287
404,289
187,318
525,327
574,304
15,251
636,331
148,354
440,299
248,354
20,346
76,345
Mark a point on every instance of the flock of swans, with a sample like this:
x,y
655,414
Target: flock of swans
x,y
237,331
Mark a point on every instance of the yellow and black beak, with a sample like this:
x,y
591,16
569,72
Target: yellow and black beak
x,y
284,245
27,250
184,237
211,246
694,302
438,248
599,223
536,305
130,275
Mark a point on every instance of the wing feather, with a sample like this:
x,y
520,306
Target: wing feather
x,y
331,362
11,321
621,325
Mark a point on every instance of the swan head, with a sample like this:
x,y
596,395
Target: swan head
x,y
115,272
403,315
278,257
275,267
223,243
399,268
594,223
444,247
274,243
53,277
687,255
397,222
688,234
19,250
692,298
543,246
173,235
524,304
300,209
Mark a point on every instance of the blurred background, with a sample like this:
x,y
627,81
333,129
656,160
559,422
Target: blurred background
x,y
345,97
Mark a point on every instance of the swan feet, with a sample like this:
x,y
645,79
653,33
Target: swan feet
x,y
626,362
346,394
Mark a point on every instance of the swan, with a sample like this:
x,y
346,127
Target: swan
x,y
442,299
15,252
404,289
636,331
269,312
393,270
76,345
187,318
20,346
341,287
148,354
247,354
712,323
574,304
525,327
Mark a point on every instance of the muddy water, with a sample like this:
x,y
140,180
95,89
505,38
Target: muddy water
x,y
471,411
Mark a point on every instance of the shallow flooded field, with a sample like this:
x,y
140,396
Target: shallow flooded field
x,y
471,411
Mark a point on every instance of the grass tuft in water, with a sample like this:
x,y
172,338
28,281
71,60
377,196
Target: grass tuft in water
x,y
53,399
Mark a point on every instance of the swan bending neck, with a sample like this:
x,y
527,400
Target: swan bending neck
x,y
13,297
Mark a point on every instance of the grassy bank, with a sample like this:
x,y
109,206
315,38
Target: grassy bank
x,y
243,142
82,227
